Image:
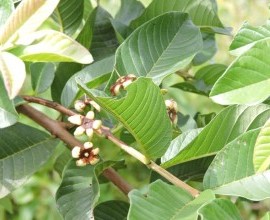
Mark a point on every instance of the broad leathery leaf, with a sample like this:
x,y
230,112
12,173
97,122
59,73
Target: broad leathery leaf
x,y
69,15
8,114
246,80
23,150
111,210
233,162
42,75
224,128
202,13
27,17
166,202
142,111
92,75
247,36
13,72
178,144
6,8
159,47
222,209
261,156
78,192
51,46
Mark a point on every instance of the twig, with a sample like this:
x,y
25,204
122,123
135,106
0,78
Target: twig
x,y
59,131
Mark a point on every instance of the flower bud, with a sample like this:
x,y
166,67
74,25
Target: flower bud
x,y
79,131
89,132
76,152
95,105
97,124
88,145
75,119
79,105
90,115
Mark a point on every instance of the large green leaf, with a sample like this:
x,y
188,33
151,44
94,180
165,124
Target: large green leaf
x,y
51,46
203,14
142,112
166,202
224,128
222,209
6,8
266,216
23,150
13,73
27,17
92,75
159,47
69,15
42,75
261,156
111,210
246,81
232,171
78,192
8,114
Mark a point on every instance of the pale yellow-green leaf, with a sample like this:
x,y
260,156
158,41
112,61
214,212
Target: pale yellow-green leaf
x,y
13,72
27,17
50,45
261,156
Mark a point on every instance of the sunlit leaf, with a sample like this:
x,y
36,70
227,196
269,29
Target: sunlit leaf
x,y
6,8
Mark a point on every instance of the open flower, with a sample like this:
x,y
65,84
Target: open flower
x,y
172,109
86,154
122,83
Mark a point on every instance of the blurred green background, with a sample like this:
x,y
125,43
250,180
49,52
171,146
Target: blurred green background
x,y
36,199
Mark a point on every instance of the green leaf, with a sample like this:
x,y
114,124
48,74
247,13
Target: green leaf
x,y
246,80
266,216
27,18
69,15
42,75
224,128
92,75
203,15
78,192
23,150
8,114
261,156
222,209
247,36
6,8
51,46
164,201
142,112
104,41
159,47
111,210
13,73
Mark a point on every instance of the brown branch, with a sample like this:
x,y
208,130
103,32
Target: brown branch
x,y
56,129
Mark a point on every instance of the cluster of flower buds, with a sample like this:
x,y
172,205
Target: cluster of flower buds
x,y
122,83
172,109
86,154
80,105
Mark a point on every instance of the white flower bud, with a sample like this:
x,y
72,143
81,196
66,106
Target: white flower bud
x,y
88,145
95,105
80,163
89,132
75,119
79,131
95,151
76,152
127,83
97,124
90,115
79,105
94,161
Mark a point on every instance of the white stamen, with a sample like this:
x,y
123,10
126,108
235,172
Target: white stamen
x,y
86,154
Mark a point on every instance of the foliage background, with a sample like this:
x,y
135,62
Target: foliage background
x,y
36,199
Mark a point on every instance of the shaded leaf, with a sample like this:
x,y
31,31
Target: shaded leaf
x,y
42,75
221,209
159,47
13,73
51,46
142,112
204,119
27,17
261,156
23,151
164,201
111,210
224,128
6,8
